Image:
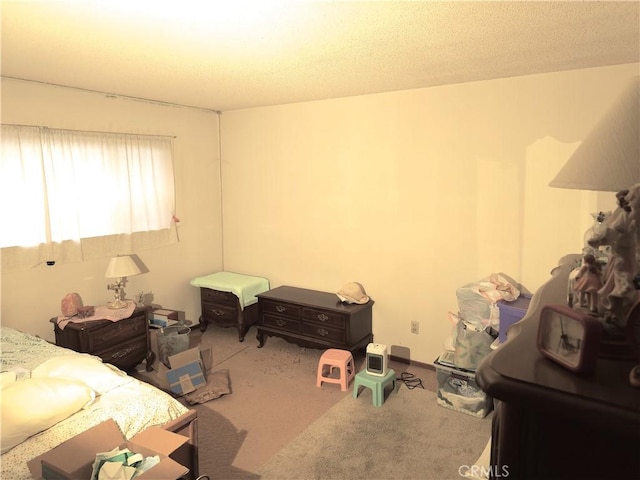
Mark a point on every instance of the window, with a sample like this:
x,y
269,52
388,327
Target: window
x,y
58,185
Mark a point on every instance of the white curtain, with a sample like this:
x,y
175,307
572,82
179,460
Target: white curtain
x,y
22,187
58,185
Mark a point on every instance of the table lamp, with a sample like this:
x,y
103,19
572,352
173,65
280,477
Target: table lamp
x,y
120,267
609,160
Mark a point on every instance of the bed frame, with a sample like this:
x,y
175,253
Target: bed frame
x,y
187,455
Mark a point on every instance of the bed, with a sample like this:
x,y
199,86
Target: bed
x,y
50,394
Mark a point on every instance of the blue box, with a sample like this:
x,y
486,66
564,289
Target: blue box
x,y
187,372
512,312
166,318
163,322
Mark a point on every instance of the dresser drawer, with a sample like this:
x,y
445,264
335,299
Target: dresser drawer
x,y
219,313
323,332
281,309
281,323
125,355
115,334
324,317
216,296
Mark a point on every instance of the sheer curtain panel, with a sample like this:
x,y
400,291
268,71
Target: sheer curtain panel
x,y
70,185
22,187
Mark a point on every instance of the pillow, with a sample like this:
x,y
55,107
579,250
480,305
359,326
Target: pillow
x,y
33,405
101,377
217,385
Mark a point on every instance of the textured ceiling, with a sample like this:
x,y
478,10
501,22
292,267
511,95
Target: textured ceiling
x,y
260,53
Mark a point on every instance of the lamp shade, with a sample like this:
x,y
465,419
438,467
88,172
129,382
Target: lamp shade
x,y
122,266
609,157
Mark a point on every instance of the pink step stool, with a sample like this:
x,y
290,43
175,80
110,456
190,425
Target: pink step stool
x,y
334,358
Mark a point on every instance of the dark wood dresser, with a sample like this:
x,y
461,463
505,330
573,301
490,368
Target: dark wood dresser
x,y
223,309
124,343
550,423
315,319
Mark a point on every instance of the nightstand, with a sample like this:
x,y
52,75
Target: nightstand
x,y
229,300
223,309
124,343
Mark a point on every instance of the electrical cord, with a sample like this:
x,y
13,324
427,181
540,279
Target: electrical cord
x,y
410,380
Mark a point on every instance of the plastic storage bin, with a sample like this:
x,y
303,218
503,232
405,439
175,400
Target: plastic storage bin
x,y
511,312
458,390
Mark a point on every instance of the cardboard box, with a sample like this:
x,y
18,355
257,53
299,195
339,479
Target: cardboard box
x,y
162,322
165,318
188,371
74,458
158,377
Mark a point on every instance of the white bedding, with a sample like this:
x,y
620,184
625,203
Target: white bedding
x,y
134,405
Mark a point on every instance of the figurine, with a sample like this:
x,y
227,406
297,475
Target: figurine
x,y
139,299
588,281
622,232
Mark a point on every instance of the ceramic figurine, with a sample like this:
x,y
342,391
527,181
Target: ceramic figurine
x,y
588,281
621,231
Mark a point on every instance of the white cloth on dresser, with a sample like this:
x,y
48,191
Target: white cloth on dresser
x,y
245,287
102,312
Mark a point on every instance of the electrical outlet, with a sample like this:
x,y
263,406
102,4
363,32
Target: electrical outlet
x,y
415,326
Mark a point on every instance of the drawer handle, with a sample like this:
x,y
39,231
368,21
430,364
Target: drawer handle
x,y
122,353
323,332
218,312
280,308
322,317
280,322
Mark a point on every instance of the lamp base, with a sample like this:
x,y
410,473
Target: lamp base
x,y
118,304
118,294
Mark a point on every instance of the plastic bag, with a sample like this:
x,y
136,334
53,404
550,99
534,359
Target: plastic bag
x,y
472,344
477,300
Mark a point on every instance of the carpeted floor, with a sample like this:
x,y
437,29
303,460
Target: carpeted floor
x,y
273,399
409,437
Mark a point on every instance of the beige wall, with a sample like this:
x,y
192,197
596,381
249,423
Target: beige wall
x,y
31,297
412,193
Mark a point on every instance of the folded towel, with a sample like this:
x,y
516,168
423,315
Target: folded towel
x,y
244,287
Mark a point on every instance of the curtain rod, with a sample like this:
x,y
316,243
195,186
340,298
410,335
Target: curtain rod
x,y
115,95
88,131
